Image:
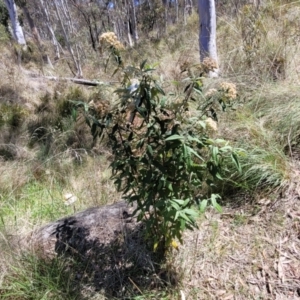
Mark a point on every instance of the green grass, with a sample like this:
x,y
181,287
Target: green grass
x,y
33,278
37,202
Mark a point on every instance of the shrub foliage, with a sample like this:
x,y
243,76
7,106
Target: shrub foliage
x,y
164,160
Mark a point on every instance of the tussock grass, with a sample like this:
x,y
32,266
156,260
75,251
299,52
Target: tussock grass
x,y
33,278
264,163
279,107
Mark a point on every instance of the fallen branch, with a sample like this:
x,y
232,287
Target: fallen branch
x,y
75,80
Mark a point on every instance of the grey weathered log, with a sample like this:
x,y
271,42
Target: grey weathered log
x,y
75,80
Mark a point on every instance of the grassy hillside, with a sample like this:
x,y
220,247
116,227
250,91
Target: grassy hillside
x,y
249,251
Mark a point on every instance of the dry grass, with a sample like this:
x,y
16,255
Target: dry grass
x,y
245,254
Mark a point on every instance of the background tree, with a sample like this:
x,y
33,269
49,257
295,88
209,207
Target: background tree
x,y
4,16
16,27
69,31
207,32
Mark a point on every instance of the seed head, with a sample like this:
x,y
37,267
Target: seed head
x,y
211,124
209,64
229,90
110,39
210,93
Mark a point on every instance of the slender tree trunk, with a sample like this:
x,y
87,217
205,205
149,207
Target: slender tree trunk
x,y
129,34
16,27
31,24
207,31
177,11
189,7
35,32
133,21
65,30
166,6
45,11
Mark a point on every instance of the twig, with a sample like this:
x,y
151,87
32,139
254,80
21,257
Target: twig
x,y
135,285
289,143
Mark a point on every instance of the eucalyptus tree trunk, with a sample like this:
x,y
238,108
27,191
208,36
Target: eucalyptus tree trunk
x,y
67,27
46,14
16,27
166,14
133,21
187,10
207,32
24,5
189,6
176,11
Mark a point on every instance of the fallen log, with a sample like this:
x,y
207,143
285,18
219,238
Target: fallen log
x,y
75,80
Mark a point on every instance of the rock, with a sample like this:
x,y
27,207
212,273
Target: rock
x,y
81,232
101,249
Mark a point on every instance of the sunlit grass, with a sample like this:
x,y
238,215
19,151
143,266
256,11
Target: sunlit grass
x,y
35,203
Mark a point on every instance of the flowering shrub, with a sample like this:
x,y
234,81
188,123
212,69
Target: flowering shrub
x,y
109,39
164,157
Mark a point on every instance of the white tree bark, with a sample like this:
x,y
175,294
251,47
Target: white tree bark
x,y
207,31
67,28
133,21
16,27
187,10
45,11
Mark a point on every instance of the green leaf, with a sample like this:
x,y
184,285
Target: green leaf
x,y
74,113
191,212
115,71
203,205
179,201
214,202
149,70
174,137
169,186
193,139
175,205
143,111
184,216
218,175
140,143
195,153
150,150
160,90
163,101
198,91
215,151
235,160
143,63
